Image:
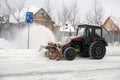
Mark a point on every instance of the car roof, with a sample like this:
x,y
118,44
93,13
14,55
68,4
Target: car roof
x,y
90,26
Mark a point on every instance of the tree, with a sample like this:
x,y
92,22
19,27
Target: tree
x,y
74,13
19,7
88,18
14,10
6,12
49,9
63,15
48,6
96,14
70,14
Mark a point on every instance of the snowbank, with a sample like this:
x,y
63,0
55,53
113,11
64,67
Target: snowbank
x,y
113,49
4,44
16,55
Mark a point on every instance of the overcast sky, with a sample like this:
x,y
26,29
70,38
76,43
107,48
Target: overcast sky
x,y
111,7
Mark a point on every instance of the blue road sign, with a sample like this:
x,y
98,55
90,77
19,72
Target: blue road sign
x,y
29,17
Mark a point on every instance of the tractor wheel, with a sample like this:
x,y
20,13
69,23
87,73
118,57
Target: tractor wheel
x,y
69,53
97,50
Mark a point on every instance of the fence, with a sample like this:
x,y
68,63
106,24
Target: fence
x,y
109,37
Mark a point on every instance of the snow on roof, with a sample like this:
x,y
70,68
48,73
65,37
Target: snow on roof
x,y
116,21
23,13
67,28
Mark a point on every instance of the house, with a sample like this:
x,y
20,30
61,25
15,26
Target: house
x,y
112,25
42,17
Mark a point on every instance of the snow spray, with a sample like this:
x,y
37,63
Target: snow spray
x,y
39,35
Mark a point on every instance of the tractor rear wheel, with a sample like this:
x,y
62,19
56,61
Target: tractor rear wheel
x,y
69,53
97,50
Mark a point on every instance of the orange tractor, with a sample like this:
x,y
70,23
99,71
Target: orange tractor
x,y
89,42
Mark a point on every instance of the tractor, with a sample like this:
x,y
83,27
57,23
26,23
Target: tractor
x,y
89,42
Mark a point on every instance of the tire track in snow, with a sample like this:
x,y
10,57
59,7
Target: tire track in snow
x,y
34,73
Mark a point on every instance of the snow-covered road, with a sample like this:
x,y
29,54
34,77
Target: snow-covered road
x,y
18,64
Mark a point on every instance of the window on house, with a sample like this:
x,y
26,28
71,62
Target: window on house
x,y
41,14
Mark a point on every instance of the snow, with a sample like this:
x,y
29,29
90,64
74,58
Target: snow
x,y
67,28
4,43
39,35
30,64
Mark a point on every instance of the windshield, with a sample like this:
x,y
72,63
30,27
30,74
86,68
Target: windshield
x,y
81,31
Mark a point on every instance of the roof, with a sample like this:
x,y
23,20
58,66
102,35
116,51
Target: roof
x,y
91,26
41,9
116,20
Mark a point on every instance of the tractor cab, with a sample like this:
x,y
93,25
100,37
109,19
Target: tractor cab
x,y
89,31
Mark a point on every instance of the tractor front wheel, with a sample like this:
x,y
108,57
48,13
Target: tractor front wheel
x,y
97,50
69,53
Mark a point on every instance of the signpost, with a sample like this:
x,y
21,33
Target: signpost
x,y
29,19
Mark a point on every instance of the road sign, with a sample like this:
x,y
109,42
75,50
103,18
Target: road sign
x,y
29,17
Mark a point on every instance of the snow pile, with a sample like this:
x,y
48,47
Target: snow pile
x,y
4,43
22,55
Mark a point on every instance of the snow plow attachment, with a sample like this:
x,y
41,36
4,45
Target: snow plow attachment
x,y
54,51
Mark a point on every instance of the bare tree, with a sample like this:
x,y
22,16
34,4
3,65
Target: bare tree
x,y
14,10
49,9
74,13
88,18
19,7
64,15
7,12
48,6
70,14
96,14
